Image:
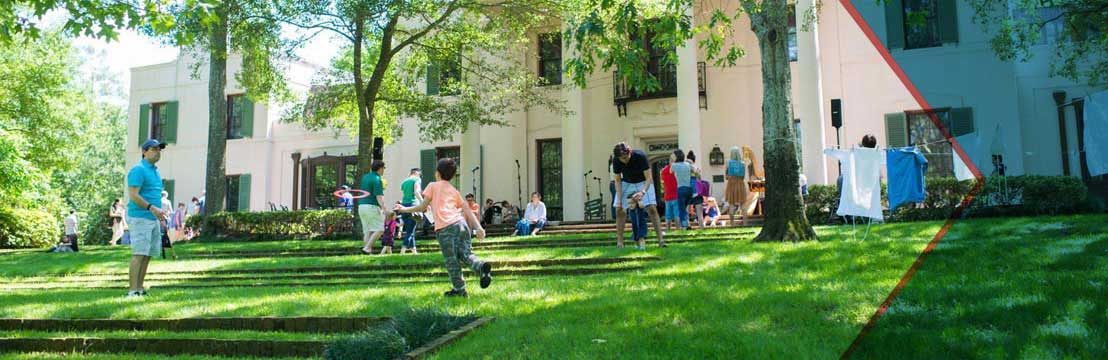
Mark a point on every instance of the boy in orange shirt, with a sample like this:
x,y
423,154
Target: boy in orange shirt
x,y
451,216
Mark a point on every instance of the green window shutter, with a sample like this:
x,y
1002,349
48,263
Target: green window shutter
x,y
433,80
896,129
244,192
170,132
948,21
168,186
894,24
144,123
427,164
961,121
246,126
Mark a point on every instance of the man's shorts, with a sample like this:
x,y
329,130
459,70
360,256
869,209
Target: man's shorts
x,y
631,188
373,219
146,236
673,211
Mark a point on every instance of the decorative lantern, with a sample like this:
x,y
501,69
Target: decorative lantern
x,y
716,156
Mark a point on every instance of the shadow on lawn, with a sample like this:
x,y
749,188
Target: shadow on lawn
x,y
1032,289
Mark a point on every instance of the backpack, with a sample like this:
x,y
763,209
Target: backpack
x,y
703,188
736,168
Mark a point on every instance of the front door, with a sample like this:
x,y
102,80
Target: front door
x,y
657,163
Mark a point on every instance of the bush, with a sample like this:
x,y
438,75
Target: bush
x,y
381,342
1030,195
21,228
277,225
96,228
420,326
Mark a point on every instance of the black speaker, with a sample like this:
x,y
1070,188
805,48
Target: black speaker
x,y
837,113
378,143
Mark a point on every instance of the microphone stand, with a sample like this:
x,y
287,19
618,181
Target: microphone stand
x,y
473,175
600,192
519,185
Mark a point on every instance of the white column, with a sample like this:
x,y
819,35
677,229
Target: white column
x,y
573,149
809,102
688,96
471,158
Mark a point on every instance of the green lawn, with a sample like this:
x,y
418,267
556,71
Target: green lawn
x,y
702,299
1016,288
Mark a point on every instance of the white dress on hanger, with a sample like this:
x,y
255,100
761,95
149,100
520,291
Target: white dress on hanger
x,y
861,192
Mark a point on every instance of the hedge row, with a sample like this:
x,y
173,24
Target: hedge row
x,y
23,228
281,225
1029,195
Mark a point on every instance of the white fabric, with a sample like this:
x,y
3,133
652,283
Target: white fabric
x,y
971,145
70,224
861,192
1096,126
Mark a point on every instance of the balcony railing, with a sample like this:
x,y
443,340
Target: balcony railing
x,y
667,81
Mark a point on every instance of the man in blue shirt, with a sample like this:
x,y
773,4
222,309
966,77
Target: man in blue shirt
x,y
144,187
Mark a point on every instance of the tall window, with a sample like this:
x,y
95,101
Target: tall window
x,y
232,203
550,177
235,106
455,153
921,25
923,134
159,115
550,58
443,77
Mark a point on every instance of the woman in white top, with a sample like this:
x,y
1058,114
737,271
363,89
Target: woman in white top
x,y
534,218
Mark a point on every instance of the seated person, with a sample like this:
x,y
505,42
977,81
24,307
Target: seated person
x,y
509,213
711,211
491,213
534,218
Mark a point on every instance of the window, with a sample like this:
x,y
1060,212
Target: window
x,y
924,135
792,34
916,24
453,152
550,177
921,25
159,116
799,144
232,203
443,77
235,107
1052,30
550,58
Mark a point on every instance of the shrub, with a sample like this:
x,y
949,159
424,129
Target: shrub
x,y
22,228
277,225
819,202
380,342
96,228
420,326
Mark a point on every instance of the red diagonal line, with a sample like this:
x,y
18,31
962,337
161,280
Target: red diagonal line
x,y
957,148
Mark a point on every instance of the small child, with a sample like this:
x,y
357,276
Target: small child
x,y
451,217
637,215
389,237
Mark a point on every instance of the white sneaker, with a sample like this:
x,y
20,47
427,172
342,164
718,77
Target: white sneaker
x,y
134,294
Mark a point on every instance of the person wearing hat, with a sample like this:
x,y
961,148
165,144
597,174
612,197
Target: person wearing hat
x,y
144,214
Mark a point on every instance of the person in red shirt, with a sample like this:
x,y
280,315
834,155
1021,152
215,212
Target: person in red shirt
x,y
669,195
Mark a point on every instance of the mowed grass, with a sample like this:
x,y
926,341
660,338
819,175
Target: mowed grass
x,y
721,299
1004,289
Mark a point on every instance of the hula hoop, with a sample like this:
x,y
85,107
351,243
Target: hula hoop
x,y
360,193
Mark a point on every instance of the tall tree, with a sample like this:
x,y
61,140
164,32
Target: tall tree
x,y
231,27
1076,29
601,31
99,19
392,46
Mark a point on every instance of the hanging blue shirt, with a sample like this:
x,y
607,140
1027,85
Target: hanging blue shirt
x,y
906,168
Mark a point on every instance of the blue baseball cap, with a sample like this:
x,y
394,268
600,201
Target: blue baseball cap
x,y
152,143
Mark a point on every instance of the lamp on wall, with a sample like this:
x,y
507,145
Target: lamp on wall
x,y
716,156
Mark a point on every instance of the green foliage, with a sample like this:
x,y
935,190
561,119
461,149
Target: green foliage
x,y
299,224
382,342
1079,40
23,228
93,18
421,326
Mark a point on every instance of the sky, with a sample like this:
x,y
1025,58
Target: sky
x,y
132,49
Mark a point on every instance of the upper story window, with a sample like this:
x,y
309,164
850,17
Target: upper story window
x,y
550,58
240,117
917,24
792,34
443,77
159,120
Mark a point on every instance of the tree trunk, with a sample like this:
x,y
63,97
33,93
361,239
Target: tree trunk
x,y
216,179
784,207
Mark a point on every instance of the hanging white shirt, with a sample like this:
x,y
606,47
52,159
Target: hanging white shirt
x,y
1096,125
861,192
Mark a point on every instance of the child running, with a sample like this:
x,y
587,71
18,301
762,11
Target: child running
x,y
389,237
451,216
